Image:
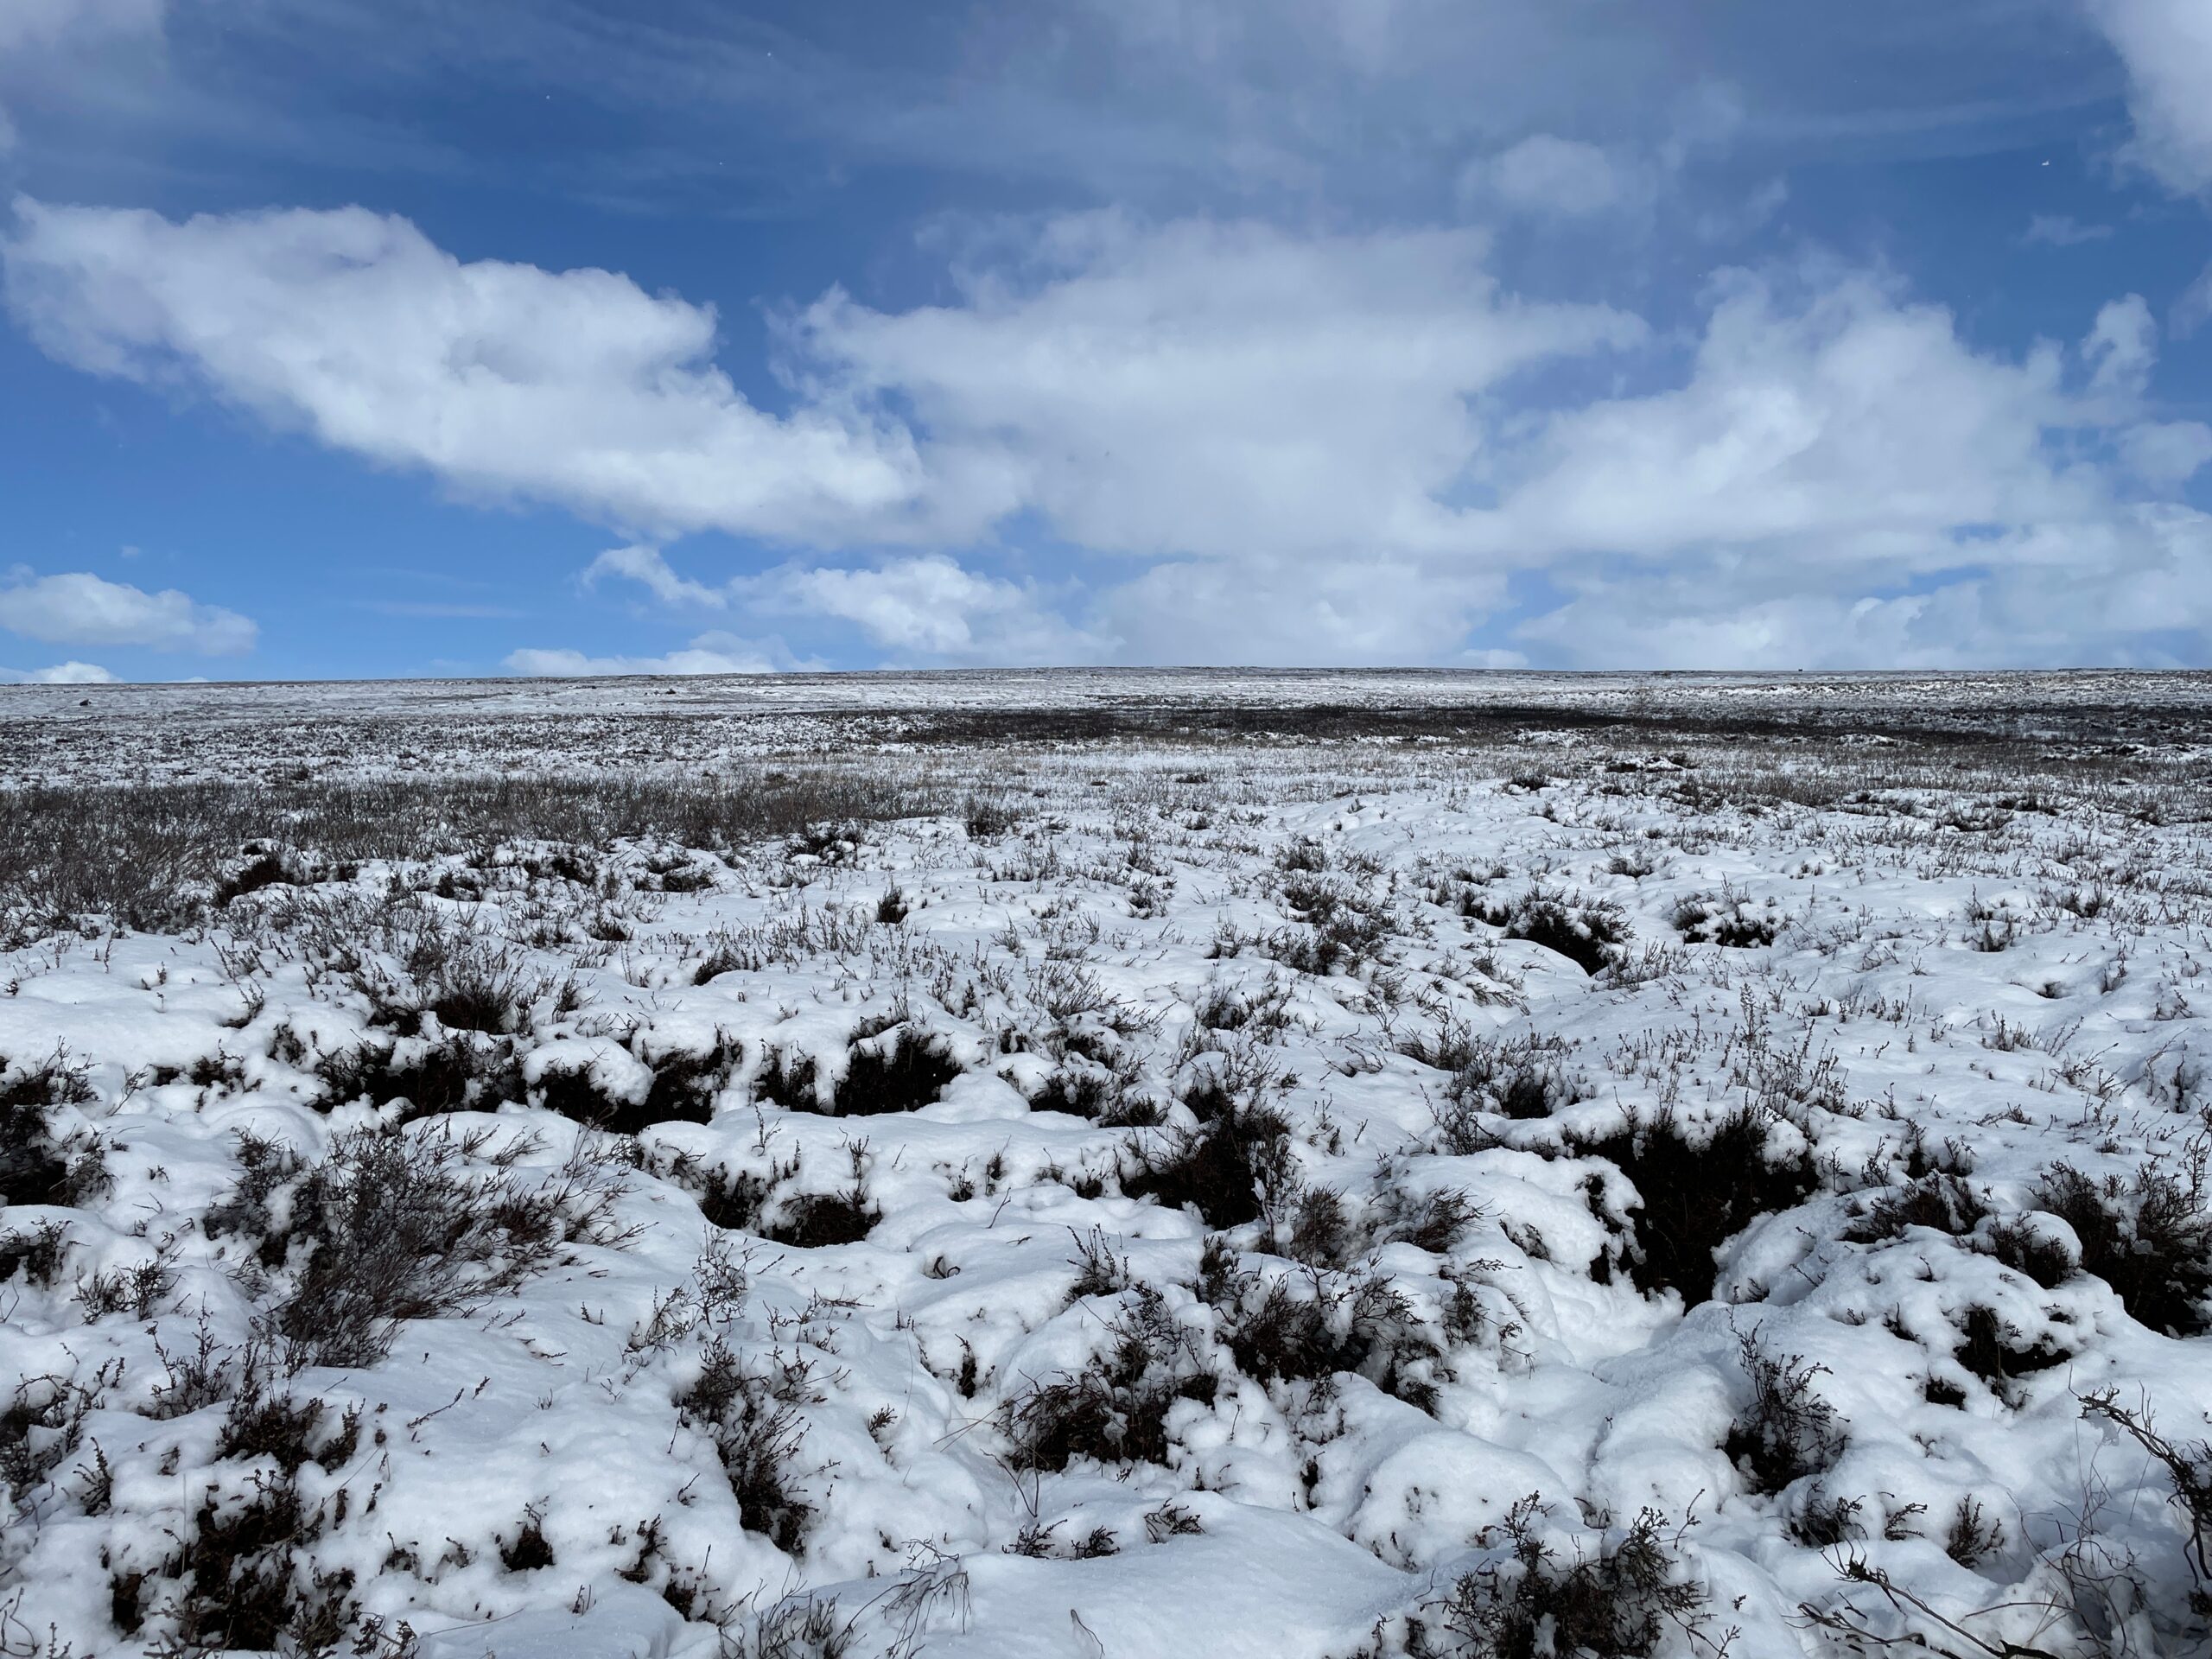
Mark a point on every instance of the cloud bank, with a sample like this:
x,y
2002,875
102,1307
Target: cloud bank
x,y
1200,439
79,608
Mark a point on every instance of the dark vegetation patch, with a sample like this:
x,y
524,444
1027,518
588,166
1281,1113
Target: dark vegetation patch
x,y
392,1227
749,1201
1307,1326
1787,1433
37,1167
456,1073
1116,1410
42,1425
529,1550
267,867
789,1080
1342,926
1221,1169
1995,1351
897,1072
1939,1199
1725,918
2149,1238
1589,933
1628,1596
242,1579
750,1413
817,1220
1522,1077
34,1252
264,1422
987,817
684,1088
150,856
1698,1187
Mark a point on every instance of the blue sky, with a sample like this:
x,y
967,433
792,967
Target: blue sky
x,y
346,339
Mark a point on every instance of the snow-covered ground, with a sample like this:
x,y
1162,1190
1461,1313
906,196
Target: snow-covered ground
x,y
1716,1166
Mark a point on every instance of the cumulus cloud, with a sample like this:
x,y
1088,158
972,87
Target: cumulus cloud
x,y
68,673
79,608
928,608
1842,480
1210,388
1271,612
573,387
1304,446
919,609
1191,388
2166,454
645,566
2167,47
1564,177
709,653
2042,597
1829,415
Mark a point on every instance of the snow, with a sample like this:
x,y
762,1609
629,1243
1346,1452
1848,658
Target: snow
x,y
1939,992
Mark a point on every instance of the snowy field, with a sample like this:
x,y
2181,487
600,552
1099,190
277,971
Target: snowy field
x,y
1104,1166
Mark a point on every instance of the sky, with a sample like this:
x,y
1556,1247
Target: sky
x,y
379,338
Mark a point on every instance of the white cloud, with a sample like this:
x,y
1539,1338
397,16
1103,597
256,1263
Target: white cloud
x,y
68,673
1843,481
1194,388
2060,231
929,609
1824,418
645,565
2167,46
1308,446
926,608
1564,177
1216,390
2194,309
575,387
2043,597
33,32
2166,454
79,608
45,22
709,653
2121,349
1274,613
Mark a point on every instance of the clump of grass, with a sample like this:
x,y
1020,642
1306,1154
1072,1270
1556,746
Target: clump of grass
x,y
2149,1238
243,1577
1627,1597
1787,1433
1222,1169
1521,1077
684,1088
750,1413
37,1165
393,1226
459,1072
1114,1410
1726,918
1589,933
1304,1327
1698,1186
893,1073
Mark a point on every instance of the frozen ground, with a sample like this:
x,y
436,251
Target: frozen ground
x,y
1108,1164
